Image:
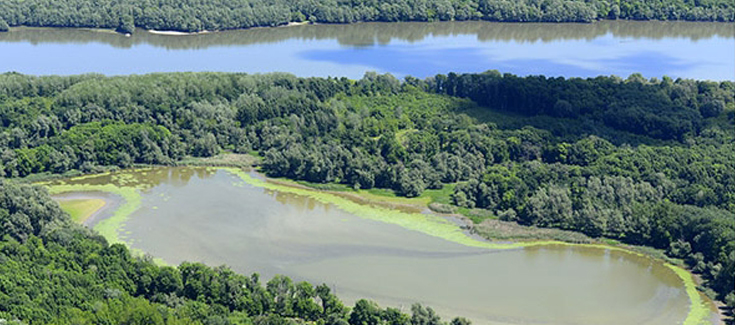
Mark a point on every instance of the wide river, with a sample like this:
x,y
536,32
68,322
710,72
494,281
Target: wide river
x,y
655,49
213,216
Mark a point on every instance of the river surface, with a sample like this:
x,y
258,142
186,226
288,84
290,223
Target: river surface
x,y
212,216
655,49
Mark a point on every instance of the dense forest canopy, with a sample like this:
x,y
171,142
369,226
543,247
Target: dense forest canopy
x,y
194,16
646,162
56,272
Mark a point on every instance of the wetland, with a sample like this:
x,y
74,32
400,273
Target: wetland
x,y
226,216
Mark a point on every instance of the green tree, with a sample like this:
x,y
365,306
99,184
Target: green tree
x,y
365,313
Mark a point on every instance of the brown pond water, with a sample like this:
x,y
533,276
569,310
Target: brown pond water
x,y
212,216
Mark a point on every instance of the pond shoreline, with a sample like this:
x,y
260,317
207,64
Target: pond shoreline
x,y
382,212
111,203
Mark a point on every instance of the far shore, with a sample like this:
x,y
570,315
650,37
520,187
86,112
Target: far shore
x,y
175,33
178,33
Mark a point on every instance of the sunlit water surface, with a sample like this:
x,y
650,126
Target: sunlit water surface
x,y
655,49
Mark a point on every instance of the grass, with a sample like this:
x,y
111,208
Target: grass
x,y
505,230
80,210
224,159
111,227
374,195
108,227
442,196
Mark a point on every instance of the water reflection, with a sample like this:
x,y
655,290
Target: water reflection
x,y
301,203
678,49
602,56
370,34
144,178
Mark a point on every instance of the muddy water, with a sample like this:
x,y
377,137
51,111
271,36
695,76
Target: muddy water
x,y
211,216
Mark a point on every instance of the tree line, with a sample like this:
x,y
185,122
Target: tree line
x,y
195,16
55,272
549,152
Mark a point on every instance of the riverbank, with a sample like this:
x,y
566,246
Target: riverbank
x,y
175,33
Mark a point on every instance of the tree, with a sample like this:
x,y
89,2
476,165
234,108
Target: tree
x,y
424,316
205,146
4,25
365,313
460,321
709,109
127,25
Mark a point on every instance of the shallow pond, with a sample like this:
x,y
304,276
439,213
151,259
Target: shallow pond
x,y
213,216
676,49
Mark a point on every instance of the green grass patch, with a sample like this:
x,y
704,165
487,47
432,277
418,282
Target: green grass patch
x,y
109,227
80,210
224,159
442,195
378,195
477,215
327,186
385,195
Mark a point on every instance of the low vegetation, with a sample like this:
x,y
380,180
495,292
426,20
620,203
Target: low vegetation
x,y
81,209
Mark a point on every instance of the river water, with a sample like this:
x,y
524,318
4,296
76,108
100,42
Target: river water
x,y
212,216
655,49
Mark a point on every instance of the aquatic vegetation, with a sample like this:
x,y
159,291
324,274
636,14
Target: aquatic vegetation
x,y
440,227
109,227
698,310
113,228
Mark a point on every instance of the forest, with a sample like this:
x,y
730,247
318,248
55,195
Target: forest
x,y
211,15
53,271
641,161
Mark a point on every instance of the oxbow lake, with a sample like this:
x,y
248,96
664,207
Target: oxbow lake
x,y
677,49
212,216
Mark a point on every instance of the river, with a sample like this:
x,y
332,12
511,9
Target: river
x,y
213,216
677,49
